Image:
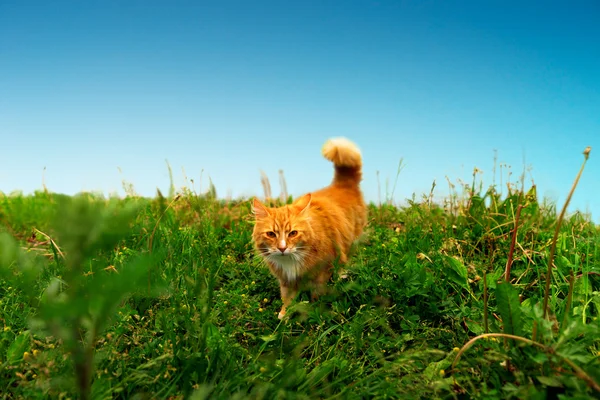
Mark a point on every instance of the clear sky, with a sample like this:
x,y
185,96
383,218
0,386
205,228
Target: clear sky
x,y
234,87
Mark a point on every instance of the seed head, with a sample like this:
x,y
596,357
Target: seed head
x,y
586,152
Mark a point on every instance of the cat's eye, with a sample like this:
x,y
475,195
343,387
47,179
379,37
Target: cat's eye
x,y
292,233
271,234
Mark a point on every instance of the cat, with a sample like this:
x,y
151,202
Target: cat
x,y
300,241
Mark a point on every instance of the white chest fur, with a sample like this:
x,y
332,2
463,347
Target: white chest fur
x,y
289,265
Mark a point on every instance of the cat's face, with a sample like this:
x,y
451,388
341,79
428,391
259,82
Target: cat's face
x,y
282,235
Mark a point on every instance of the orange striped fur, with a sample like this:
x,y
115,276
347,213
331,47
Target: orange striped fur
x,y
301,240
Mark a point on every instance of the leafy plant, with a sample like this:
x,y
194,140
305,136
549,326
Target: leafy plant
x,y
76,307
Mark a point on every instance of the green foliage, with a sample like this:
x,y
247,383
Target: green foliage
x,y
76,306
164,298
509,307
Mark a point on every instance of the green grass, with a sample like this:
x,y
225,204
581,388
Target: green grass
x,y
164,298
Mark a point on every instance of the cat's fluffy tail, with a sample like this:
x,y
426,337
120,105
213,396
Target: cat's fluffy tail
x,y
346,159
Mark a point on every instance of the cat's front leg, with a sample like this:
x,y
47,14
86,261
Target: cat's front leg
x,y
320,282
288,293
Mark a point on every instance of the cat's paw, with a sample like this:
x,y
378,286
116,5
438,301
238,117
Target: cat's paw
x,y
281,314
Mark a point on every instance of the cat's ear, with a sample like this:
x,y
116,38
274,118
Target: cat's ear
x,y
259,209
303,203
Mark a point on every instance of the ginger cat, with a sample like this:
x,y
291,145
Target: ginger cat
x,y
300,241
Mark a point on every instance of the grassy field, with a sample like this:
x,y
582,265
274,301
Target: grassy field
x,y
164,298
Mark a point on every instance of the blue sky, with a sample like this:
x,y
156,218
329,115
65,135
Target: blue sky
x,y
234,87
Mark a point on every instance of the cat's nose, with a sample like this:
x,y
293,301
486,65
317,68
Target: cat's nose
x,y
282,246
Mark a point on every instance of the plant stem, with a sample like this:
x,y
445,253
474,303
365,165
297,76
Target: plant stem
x,y
485,303
578,370
513,241
586,154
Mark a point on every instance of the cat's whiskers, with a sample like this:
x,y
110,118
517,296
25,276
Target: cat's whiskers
x,y
299,255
